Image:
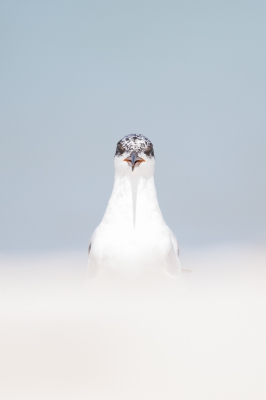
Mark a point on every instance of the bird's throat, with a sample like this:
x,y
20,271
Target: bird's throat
x,y
134,189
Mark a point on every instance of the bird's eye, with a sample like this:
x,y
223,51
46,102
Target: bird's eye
x,y
119,149
149,151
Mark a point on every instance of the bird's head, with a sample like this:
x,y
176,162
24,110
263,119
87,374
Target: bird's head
x,y
135,156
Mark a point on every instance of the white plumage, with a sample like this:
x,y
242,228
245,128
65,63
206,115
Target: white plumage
x,y
133,237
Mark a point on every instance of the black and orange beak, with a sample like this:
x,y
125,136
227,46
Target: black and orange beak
x,y
134,160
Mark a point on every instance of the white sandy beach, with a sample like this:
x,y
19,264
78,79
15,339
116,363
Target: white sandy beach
x,y
201,336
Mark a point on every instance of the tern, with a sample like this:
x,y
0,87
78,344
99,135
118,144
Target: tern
x,y
133,236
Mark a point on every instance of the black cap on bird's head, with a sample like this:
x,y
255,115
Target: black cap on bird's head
x,y
134,144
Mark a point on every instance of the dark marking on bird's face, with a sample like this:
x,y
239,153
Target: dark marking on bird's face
x,y
149,151
119,149
135,142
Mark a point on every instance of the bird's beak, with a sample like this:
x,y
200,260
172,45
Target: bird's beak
x,y
134,160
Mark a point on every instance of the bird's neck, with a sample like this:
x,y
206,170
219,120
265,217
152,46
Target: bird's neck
x,y
133,201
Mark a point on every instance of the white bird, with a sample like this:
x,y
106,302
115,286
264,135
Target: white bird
x,y
133,236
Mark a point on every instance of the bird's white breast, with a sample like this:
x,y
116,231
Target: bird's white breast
x,y
132,236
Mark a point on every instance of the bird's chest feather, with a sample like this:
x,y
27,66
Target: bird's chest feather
x,y
142,245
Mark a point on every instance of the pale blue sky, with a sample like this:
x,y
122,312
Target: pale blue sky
x,y
76,76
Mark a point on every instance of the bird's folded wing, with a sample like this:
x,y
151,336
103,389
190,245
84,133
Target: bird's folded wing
x,y
91,268
176,270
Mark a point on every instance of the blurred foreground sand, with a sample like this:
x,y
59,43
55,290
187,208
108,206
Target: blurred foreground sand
x,y
201,336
